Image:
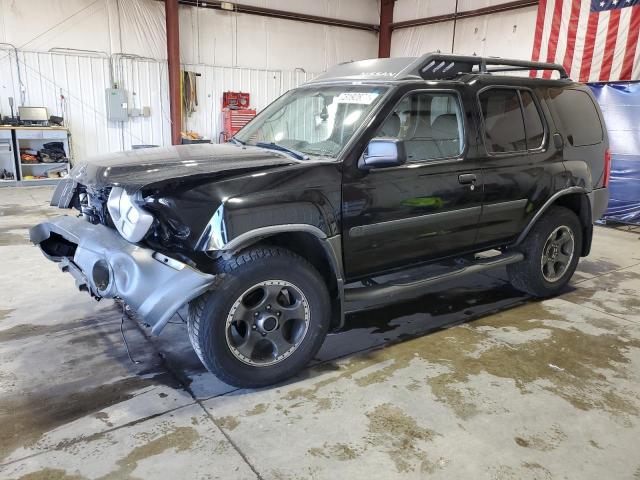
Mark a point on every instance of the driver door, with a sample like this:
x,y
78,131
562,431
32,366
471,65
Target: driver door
x,y
428,207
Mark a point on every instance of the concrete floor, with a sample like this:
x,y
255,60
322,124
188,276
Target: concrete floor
x,y
514,389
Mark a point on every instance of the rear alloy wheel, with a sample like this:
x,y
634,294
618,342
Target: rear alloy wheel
x,y
551,250
557,254
264,321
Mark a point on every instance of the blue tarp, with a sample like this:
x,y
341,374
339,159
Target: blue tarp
x,y
620,104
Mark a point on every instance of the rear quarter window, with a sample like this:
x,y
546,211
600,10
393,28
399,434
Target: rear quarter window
x,y
577,116
532,121
503,123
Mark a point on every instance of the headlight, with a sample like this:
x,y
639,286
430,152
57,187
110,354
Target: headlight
x,y
131,220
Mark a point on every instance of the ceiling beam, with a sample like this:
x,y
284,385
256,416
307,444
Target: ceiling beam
x,y
504,7
282,14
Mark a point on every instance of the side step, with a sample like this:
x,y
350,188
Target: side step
x,y
382,294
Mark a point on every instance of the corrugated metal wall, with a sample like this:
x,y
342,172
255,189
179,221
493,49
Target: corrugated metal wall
x,y
73,86
263,85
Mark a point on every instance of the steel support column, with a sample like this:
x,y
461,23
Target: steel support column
x,y
173,60
384,36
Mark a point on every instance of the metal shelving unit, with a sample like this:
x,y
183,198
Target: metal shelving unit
x,y
34,138
7,158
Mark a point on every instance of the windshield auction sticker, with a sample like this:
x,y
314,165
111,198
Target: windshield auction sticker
x,y
361,98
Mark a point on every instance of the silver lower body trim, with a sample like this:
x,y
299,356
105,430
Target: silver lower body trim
x,y
106,265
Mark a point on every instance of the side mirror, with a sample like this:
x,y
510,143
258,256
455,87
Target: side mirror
x,y
383,153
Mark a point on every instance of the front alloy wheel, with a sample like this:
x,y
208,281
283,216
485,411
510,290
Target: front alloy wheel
x,y
264,321
267,323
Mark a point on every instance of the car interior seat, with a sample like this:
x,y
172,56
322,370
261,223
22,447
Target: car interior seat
x,y
390,127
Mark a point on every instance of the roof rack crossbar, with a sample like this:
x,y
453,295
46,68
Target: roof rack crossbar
x,y
434,66
511,69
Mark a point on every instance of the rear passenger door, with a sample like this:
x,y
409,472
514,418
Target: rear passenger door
x,y
518,163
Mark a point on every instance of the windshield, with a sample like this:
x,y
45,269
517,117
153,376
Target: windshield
x,y
314,121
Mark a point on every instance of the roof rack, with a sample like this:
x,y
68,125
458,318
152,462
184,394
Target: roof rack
x,y
436,66
431,66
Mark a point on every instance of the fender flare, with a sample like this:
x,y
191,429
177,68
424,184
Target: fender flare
x,y
332,248
549,203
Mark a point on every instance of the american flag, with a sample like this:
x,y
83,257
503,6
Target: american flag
x,y
595,40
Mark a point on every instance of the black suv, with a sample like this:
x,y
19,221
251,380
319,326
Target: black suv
x,y
341,195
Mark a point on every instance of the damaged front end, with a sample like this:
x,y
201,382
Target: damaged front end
x,y
139,222
106,265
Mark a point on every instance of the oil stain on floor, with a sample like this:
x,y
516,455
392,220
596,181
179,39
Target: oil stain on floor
x,y
25,418
569,361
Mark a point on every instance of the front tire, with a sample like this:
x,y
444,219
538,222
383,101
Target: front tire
x,y
552,250
265,322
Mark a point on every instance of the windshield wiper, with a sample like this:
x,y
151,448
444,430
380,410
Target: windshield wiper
x,y
238,142
282,148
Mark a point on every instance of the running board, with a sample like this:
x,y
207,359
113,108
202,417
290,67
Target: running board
x,y
382,294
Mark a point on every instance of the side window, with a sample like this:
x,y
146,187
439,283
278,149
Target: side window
x,y
577,115
430,124
532,121
503,123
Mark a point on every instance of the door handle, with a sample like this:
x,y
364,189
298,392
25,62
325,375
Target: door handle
x,y
467,178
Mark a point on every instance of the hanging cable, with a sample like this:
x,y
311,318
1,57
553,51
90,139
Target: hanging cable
x,y
124,339
455,21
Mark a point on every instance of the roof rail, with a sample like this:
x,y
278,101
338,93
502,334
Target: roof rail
x,y
437,66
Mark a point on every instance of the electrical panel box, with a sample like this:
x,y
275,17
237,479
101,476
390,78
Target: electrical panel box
x,y
117,110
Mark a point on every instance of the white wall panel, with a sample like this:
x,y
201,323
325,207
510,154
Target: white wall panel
x,y
465,5
43,24
141,27
146,82
412,9
505,34
207,36
8,80
212,37
69,85
414,41
356,10
225,38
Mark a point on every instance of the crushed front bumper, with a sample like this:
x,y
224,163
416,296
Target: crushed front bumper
x,y
106,265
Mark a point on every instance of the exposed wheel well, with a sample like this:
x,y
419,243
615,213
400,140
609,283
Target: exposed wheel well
x,y
579,204
313,249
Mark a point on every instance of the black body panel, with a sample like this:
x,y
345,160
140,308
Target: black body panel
x,y
307,194
388,218
135,169
419,211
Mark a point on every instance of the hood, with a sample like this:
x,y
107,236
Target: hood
x,y
135,169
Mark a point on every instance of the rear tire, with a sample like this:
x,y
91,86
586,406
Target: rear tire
x,y
265,322
552,250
